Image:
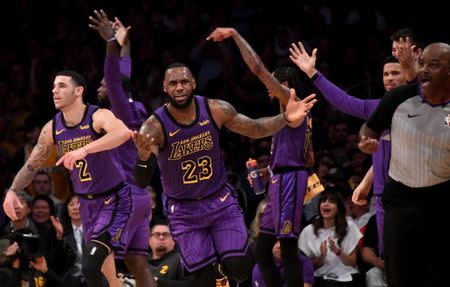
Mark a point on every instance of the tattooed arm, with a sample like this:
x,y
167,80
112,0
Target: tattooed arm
x,y
26,174
254,63
225,114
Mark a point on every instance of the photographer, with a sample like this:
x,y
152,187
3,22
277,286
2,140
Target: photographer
x,y
24,255
42,258
19,270
59,259
9,275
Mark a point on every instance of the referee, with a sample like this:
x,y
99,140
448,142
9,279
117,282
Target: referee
x,y
417,196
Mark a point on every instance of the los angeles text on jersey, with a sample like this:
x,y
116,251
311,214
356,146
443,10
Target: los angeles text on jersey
x,y
192,145
74,144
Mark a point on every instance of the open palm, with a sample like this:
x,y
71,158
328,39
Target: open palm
x,y
306,62
297,110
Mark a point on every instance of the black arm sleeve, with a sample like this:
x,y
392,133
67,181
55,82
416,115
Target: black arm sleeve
x,y
381,119
143,171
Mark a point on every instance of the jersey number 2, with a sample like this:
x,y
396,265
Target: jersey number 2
x,y
189,166
83,174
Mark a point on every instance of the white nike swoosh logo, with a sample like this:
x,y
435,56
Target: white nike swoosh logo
x,y
171,134
108,201
222,199
142,165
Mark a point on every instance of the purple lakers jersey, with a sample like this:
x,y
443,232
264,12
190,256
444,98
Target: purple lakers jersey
x,y
97,172
190,162
290,146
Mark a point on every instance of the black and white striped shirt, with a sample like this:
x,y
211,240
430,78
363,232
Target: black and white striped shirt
x,y
420,137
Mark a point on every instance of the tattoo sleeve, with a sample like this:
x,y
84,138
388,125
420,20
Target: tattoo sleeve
x,y
256,65
38,156
241,124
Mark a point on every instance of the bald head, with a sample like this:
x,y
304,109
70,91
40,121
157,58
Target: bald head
x,y
439,50
434,72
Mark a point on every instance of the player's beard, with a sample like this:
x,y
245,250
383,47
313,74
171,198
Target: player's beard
x,y
176,105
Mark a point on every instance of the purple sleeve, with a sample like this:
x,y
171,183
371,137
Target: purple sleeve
x,y
125,66
257,279
308,269
342,101
120,104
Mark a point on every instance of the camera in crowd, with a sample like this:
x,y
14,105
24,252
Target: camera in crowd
x,y
30,245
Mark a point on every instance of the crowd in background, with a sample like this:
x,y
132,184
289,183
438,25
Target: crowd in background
x,y
352,43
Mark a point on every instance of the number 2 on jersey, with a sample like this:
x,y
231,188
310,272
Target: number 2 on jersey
x,y
189,166
83,174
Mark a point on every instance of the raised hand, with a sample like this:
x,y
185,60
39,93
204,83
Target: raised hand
x,y
323,249
70,158
303,60
219,34
296,111
102,25
406,55
332,244
40,264
12,249
121,32
58,227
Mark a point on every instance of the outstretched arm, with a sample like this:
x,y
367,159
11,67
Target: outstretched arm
x,y
38,156
225,114
337,97
253,61
120,105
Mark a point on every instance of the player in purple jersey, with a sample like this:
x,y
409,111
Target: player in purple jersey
x,y
116,93
205,218
85,136
291,156
393,76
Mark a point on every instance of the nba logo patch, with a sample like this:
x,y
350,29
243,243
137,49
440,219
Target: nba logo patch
x,y
447,120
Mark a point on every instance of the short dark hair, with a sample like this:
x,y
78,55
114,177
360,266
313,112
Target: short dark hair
x,y
406,32
77,78
290,75
40,172
159,221
25,197
177,65
47,199
390,59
